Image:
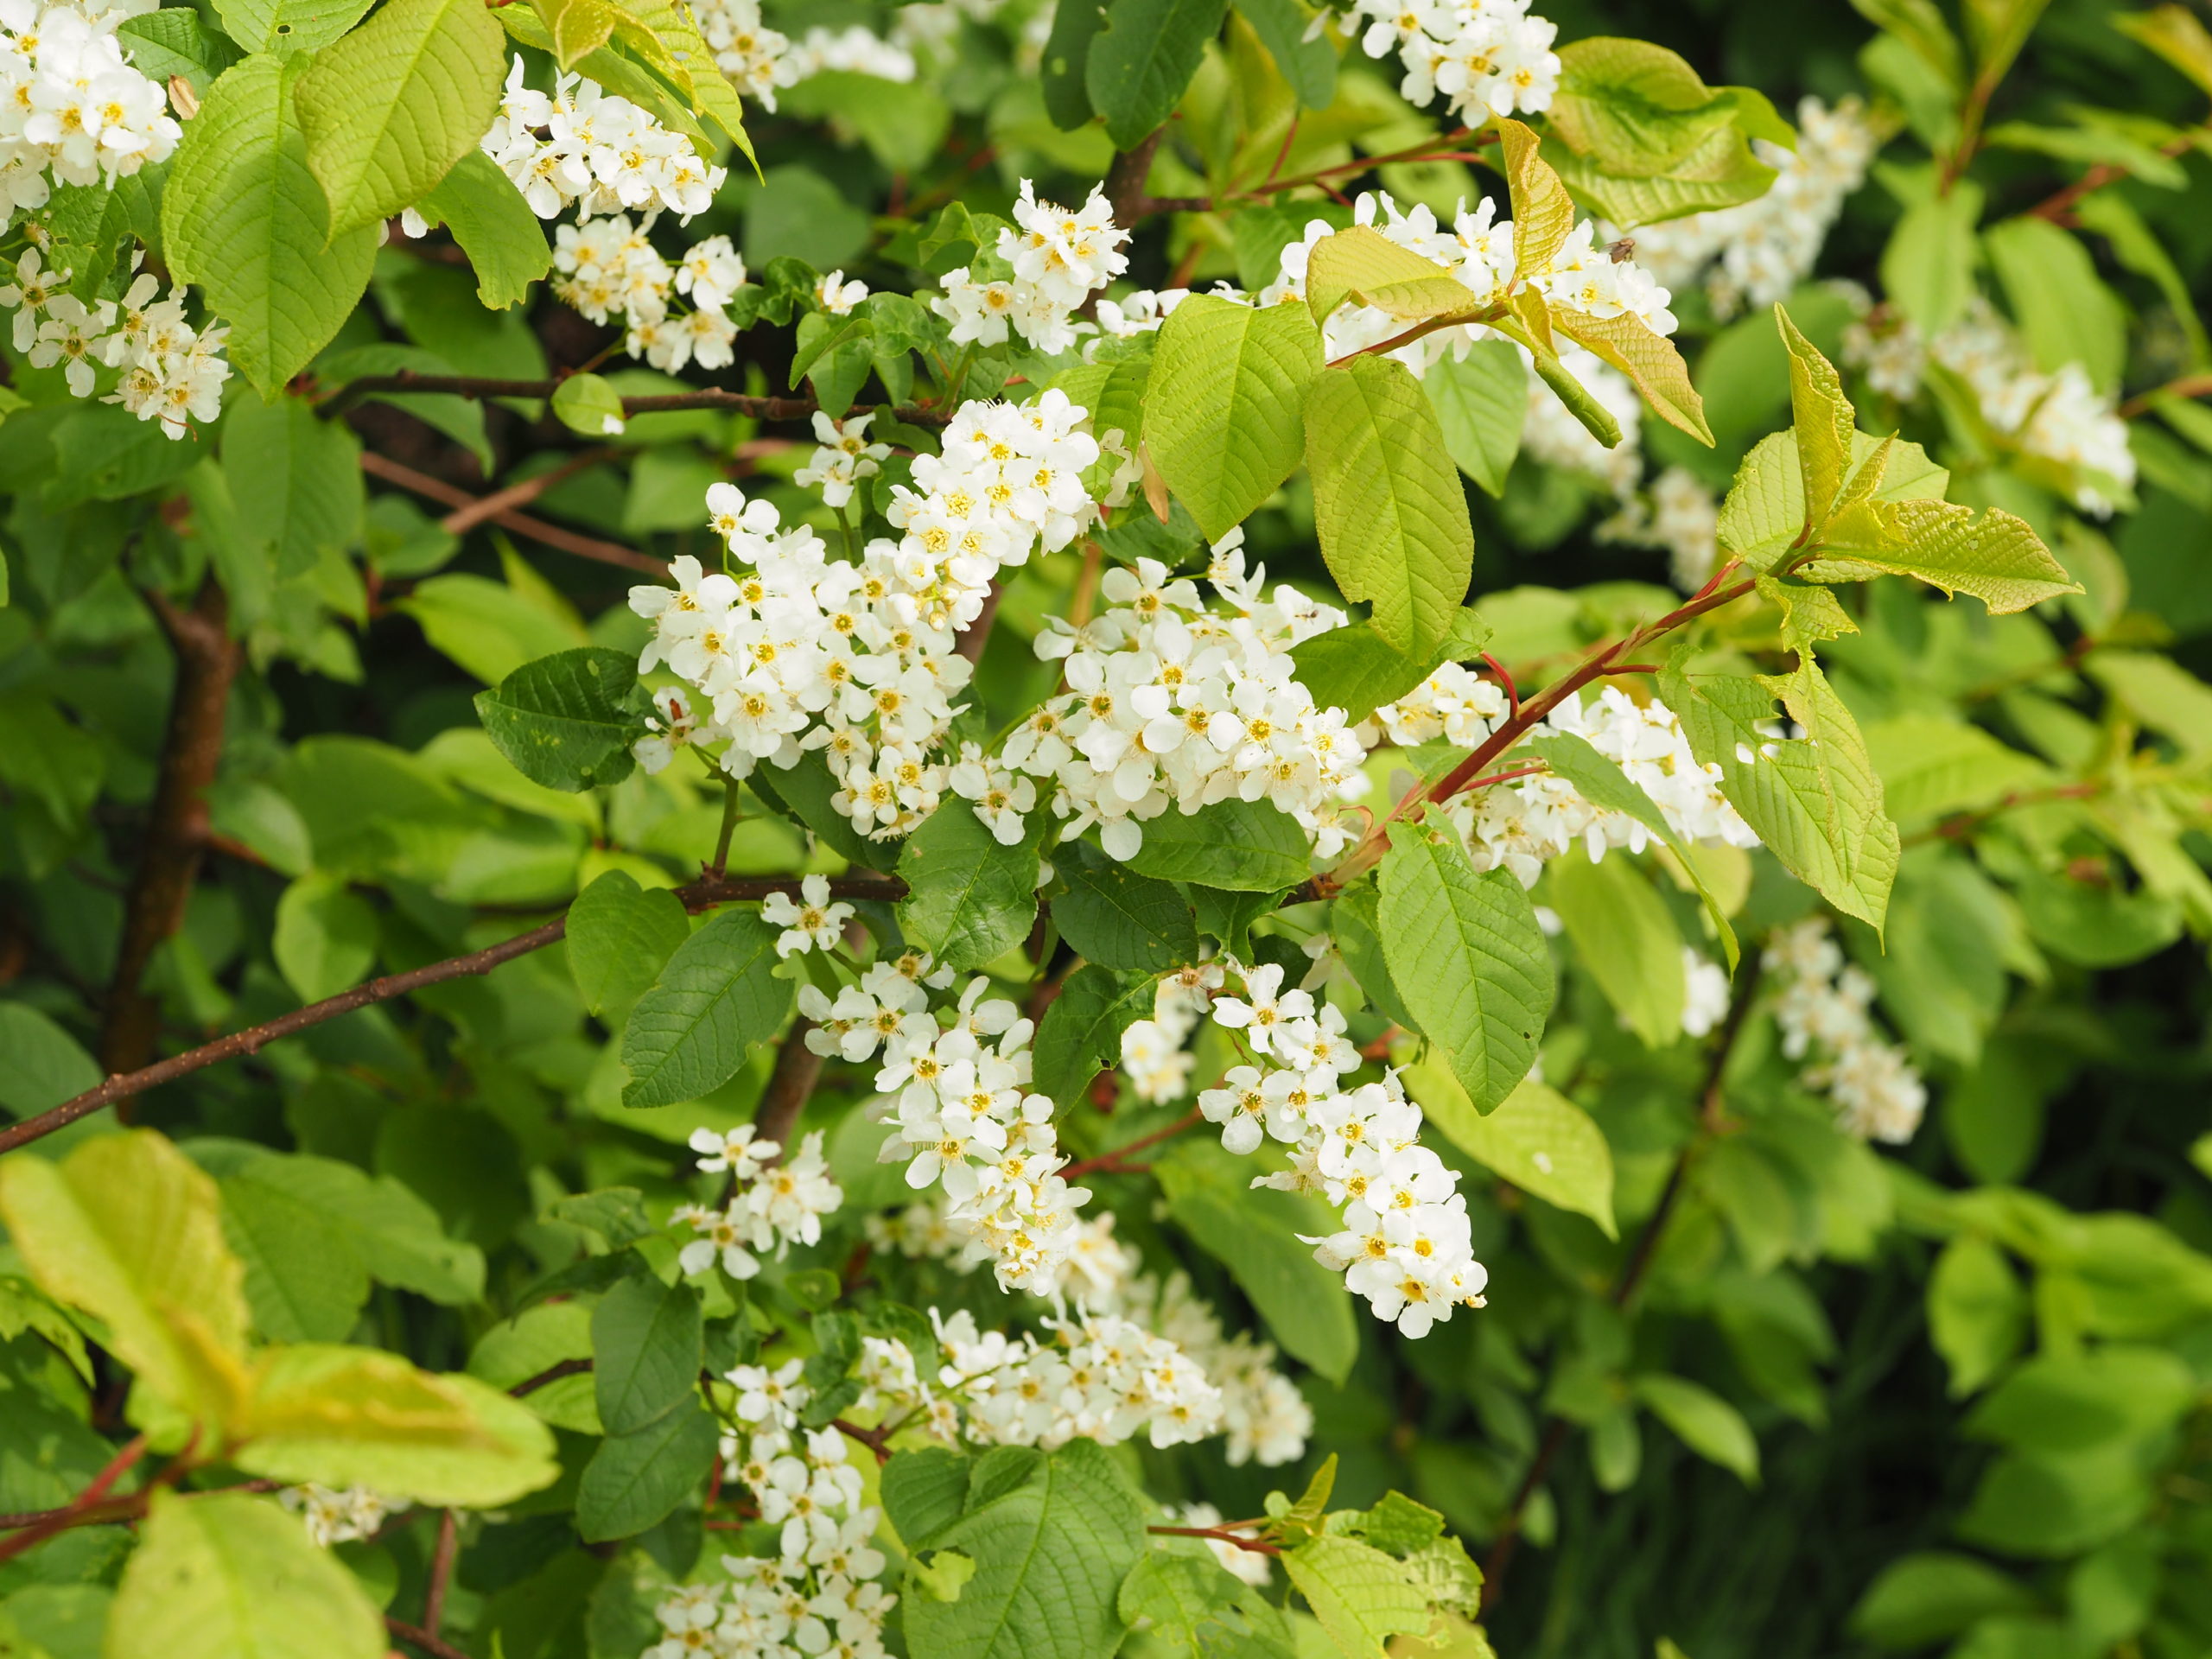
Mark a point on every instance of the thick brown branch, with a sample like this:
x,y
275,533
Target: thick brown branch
x,y
568,541
874,1438
177,829
469,385
1124,185
442,1560
703,895
797,1069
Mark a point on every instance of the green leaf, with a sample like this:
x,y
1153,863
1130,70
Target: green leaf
x,y
804,791
1928,267
1600,781
1481,402
1051,1553
924,1492
517,1350
620,937
1355,923
2176,35
1194,1608
326,937
2066,313
2160,692
221,1575
296,480
1703,1421
283,27
1649,360
1389,512
1081,1033
1636,108
1143,57
1363,265
41,1065
1067,59
1537,1138
2087,1401
130,1230
1308,66
1977,1311
969,898
244,217
1627,940
1361,1596
1221,407
1355,669
1931,767
495,227
1118,919
1994,556
717,996
588,403
1242,846
1933,1595
303,1278
635,1481
393,1232
360,1417
173,42
1467,959
1543,214
566,721
1815,800
1254,1232
1764,513
646,1344
387,110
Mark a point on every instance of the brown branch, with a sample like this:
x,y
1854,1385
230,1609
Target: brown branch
x,y
1105,1162
1711,1116
552,1373
177,829
470,385
1220,1536
567,541
874,1439
442,1560
461,520
703,895
797,1069
416,1637
78,1510
2058,207
1125,179
2187,385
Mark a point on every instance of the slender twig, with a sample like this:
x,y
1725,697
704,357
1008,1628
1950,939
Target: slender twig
x,y
1220,1536
1105,1162
730,796
469,385
703,895
551,1374
874,1439
1960,825
568,541
2187,385
176,827
461,520
442,1560
2058,207
78,1507
414,1637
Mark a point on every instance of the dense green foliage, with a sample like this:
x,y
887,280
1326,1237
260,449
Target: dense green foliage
x,y
401,920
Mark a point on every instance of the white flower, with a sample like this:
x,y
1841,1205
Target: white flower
x,y
838,297
812,924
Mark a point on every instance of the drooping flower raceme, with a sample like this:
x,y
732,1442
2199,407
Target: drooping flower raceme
x,y
771,1206
1824,1014
586,146
171,373
1485,57
1052,258
1758,251
609,270
73,108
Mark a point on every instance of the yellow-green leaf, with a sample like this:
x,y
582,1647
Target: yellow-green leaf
x,y
130,1230
1362,1597
1543,214
1537,1138
1649,360
1362,263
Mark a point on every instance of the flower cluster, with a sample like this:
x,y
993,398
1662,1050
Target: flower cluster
x,y
336,1517
772,1206
1171,704
2060,417
73,110
171,373
1824,1013
851,50
1100,1376
1055,259
842,458
1678,515
608,269
1154,1057
1587,275
1758,251
1487,58
587,146
1524,823
1405,1243
760,62
821,1591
